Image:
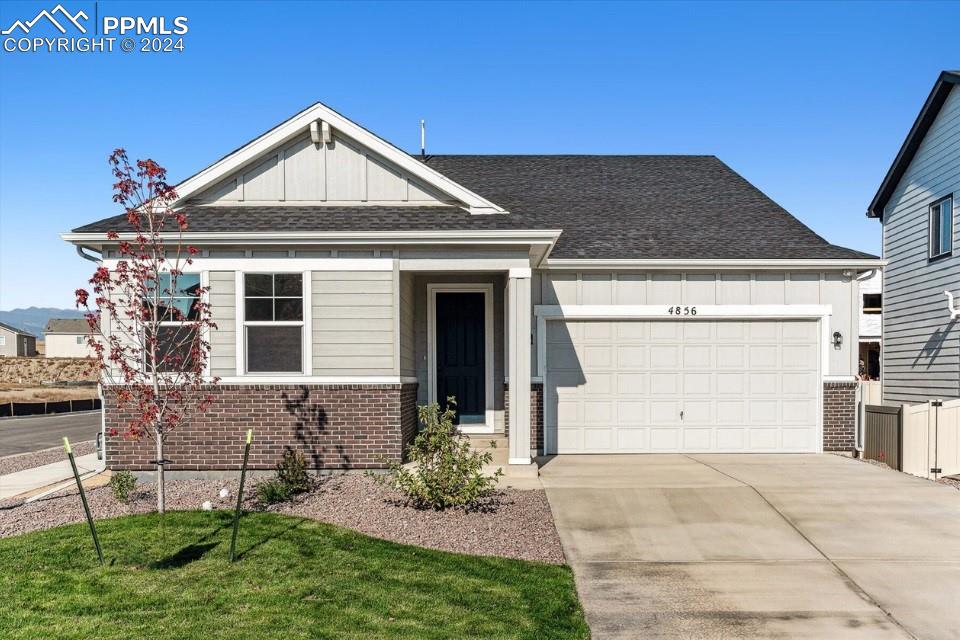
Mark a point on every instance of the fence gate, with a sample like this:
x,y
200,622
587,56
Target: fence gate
x,y
883,435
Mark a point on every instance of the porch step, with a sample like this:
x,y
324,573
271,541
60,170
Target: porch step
x,y
496,444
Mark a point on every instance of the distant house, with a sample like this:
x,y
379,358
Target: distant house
x,y
917,204
14,342
871,307
67,338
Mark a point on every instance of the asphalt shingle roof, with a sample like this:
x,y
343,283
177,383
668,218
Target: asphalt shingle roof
x,y
67,325
652,207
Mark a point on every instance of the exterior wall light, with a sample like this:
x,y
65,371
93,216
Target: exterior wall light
x,y
837,340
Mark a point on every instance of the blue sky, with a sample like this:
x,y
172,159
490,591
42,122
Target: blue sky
x,y
809,101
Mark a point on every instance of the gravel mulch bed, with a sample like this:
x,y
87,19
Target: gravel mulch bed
x,y
22,461
950,481
514,524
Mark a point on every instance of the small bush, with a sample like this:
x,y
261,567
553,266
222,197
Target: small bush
x,y
273,491
447,472
122,484
292,478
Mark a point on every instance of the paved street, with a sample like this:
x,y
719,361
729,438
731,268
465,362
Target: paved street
x,y
20,435
757,546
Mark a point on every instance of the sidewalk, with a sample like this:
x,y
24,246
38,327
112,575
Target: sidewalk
x,y
14,484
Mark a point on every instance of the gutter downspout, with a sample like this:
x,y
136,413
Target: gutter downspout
x,y
86,256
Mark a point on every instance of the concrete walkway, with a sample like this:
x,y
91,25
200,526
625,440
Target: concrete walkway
x,y
14,484
757,546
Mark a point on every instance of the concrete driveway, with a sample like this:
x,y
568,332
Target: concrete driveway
x,y
757,546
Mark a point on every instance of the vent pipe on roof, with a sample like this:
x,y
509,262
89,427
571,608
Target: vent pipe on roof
x,y
423,139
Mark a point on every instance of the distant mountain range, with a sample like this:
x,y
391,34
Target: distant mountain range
x,y
34,319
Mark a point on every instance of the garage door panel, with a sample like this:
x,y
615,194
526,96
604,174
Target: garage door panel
x,y
631,413
598,439
667,383
664,357
698,384
697,439
633,357
633,384
664,439
620,386
597,357
697,356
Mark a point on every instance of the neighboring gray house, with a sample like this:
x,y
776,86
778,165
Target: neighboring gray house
x,y
67,338
14,342
575,304
916,204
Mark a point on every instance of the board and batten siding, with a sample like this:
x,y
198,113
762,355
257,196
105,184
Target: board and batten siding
x,y
302,172
354,324
760,288
921,346
223,312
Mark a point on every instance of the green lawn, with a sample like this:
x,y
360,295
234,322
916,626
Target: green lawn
x,y
295,579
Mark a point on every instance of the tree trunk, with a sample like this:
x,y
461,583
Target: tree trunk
x,y
161,500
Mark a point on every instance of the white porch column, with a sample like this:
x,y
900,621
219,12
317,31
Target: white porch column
x,y
518,367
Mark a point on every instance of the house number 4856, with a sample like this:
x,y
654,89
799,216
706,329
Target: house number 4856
x,y
682,311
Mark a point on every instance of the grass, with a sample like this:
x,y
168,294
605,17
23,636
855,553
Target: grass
x,y
168,576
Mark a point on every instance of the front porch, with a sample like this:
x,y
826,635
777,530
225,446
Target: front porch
x,y
457,337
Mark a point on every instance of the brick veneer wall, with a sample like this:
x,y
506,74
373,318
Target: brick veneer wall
x,y
839,416
337,427
536,415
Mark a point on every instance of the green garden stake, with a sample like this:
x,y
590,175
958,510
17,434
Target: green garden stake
x,y
83,498
243,476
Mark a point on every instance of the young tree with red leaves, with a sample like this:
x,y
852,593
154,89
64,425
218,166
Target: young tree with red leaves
x,y
149,330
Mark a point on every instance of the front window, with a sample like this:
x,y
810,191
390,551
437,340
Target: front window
x,y
273,322
177,311
941,227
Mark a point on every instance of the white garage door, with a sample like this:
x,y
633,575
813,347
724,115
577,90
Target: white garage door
x,y
635,386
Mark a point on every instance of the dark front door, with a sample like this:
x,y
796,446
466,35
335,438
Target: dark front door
x,y
460,357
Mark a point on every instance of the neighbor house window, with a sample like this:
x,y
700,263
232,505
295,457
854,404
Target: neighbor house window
x,y
273,322
3,341
941,227
872,302
177,311
80,340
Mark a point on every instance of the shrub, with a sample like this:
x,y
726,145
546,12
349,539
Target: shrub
x,y
122,483
273,491
446,472
292,478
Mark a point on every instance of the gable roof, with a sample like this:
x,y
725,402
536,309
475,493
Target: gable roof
x,y
4,325
608,207
301,122
66,325
938,95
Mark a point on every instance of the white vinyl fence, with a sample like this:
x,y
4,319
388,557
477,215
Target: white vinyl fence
x,y
931,439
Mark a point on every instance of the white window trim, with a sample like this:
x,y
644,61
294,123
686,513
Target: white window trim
x,y
939,202
305,333
486,289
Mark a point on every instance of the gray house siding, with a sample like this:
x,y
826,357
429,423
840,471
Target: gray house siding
x,y
223,311
921,346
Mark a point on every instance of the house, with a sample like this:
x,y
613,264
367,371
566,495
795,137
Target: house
x,y
576,304
871,309
916,204
67,338
16,343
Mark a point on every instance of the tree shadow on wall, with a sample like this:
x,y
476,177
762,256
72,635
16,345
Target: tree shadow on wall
x,y
933,346
312,429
